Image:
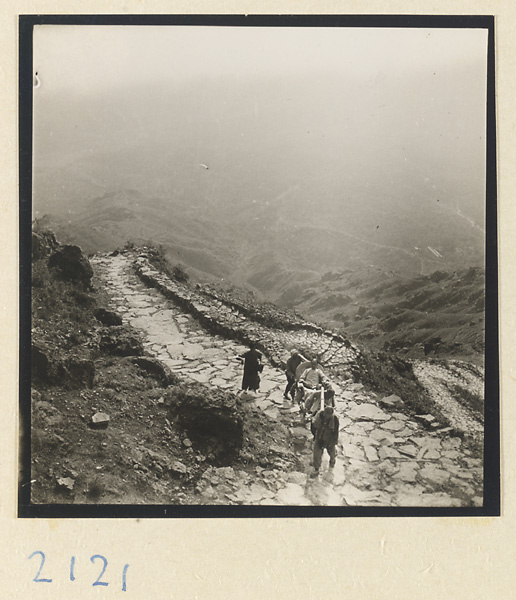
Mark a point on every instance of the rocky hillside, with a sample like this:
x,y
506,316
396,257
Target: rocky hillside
x,y
440,315
135,380
401,299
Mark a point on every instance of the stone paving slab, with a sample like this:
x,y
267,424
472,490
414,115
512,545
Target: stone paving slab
x,y
385,458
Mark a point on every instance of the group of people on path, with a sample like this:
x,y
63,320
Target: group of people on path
x,y
312,390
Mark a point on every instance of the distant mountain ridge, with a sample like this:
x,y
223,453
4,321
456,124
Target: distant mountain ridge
x,y
245,240
246,187
307,179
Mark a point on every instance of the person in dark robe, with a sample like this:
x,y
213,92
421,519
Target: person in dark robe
x,y
252,369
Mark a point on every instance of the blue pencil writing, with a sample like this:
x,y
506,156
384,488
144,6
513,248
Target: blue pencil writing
x,y
124,577
93,558
37,579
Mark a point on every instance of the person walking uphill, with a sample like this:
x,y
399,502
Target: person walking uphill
x,y
252,368
326,428
293,363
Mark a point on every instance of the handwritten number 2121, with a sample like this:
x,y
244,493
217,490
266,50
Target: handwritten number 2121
x,y
93,558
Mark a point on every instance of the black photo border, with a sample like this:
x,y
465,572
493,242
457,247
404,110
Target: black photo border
x,y
26,509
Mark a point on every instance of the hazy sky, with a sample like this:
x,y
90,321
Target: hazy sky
x,y
82,58
333,110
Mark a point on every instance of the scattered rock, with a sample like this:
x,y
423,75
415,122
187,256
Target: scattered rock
x,y
356,387
178,468
226,473
219,382
99,420
200,377
66,484
428,453
392,401
345,422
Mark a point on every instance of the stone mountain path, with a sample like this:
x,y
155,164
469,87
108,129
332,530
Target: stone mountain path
x,y
385,458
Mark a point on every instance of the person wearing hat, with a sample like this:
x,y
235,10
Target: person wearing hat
x,y
326,435
295,359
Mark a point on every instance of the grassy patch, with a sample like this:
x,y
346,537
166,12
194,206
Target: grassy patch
x,y
54,299
158,258
467,399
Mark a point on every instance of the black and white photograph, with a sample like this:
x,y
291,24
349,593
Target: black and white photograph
x,y
257,267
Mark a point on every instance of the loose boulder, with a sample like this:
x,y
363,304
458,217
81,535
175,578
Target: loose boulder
x,y
392,401
121,342
177,468
71,264
107,317
99,420
65,484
